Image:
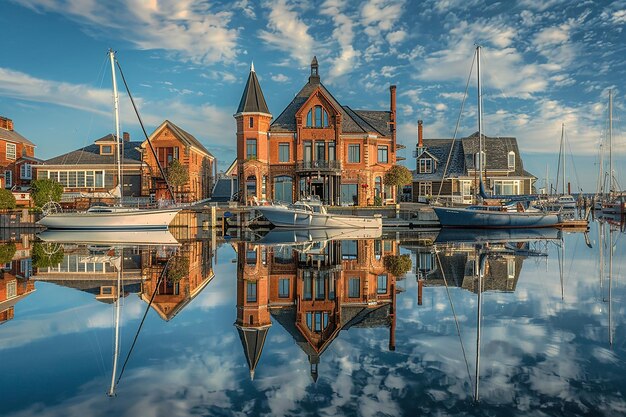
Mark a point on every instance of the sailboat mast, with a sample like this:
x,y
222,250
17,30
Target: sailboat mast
x,y
116,352
610,284
563,158
611,189
480,115
116,102
478,322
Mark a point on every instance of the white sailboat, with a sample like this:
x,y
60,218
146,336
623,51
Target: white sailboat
x,y
616,203
110,218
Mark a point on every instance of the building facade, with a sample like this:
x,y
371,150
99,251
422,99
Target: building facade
x,y
315,146
447,168
17,157
91,171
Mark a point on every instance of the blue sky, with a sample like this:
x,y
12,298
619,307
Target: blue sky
x,y
544,63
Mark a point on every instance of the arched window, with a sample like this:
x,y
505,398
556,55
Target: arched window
x,y
317,117
511,161
251,186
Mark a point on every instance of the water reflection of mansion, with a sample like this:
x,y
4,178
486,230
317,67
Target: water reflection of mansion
x,y
313,292
457,265
94,270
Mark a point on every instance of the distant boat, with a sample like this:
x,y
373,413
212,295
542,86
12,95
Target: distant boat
x,y
311,214
485,216
109,218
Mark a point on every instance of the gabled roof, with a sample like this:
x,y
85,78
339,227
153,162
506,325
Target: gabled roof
x,y
90,155
106,139
352,121
496,152
14,137
252,100
440,149
187,138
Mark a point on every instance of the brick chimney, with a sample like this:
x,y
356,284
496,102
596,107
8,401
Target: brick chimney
x,y
6,123
126,136
420,135
392,117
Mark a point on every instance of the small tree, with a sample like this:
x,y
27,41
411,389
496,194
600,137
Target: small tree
x,y
397,176
45,190
7,199
7,252
177,174
45,255
177,268
397,265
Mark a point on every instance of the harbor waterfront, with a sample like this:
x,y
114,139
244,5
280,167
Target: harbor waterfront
x,y
285,325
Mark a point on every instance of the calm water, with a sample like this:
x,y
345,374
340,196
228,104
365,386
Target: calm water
x,y
315,329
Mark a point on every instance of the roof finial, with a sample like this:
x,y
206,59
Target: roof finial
x,y
252,67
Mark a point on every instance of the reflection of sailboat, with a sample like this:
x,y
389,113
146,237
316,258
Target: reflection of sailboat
x,y
295,236
127,237
116,349
496,235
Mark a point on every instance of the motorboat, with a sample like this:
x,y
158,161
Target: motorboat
x,y
111,218
309,213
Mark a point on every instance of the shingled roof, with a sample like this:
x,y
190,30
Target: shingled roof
x,y
252,100
14,137
352,121
90,155
496,152
440,149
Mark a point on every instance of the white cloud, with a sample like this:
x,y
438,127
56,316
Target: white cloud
x,y
343,34
191,29
280,78
380,15
396,37
619,17
287,32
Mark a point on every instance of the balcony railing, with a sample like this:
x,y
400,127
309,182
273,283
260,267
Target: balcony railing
x,y
318,165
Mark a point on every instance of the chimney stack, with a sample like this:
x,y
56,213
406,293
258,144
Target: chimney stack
x,y
126,136
6,123
420,137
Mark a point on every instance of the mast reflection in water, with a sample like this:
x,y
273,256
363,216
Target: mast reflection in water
x,y
321,326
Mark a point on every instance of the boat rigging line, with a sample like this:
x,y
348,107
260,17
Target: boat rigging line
x,y
456,128
132,346
456,320
169,187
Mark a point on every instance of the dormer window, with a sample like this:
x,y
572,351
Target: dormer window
x,y
106,149
317,117
425,165
511,161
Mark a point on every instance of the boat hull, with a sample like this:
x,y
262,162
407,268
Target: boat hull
x,y
281,216
487,219
125,220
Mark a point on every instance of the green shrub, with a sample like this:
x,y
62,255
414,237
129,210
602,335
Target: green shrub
x,y
45,190
397,265
7,200
45,255
7,252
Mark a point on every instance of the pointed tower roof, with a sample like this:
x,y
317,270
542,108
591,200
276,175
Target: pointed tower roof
x,y
252,100
252,339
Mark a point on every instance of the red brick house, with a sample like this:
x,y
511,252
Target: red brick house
x,y
17,157
315,146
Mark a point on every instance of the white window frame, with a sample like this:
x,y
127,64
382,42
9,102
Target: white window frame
x,y
26,171
511,161
425,188
11,151
425,165
11,289
516,184
8,179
